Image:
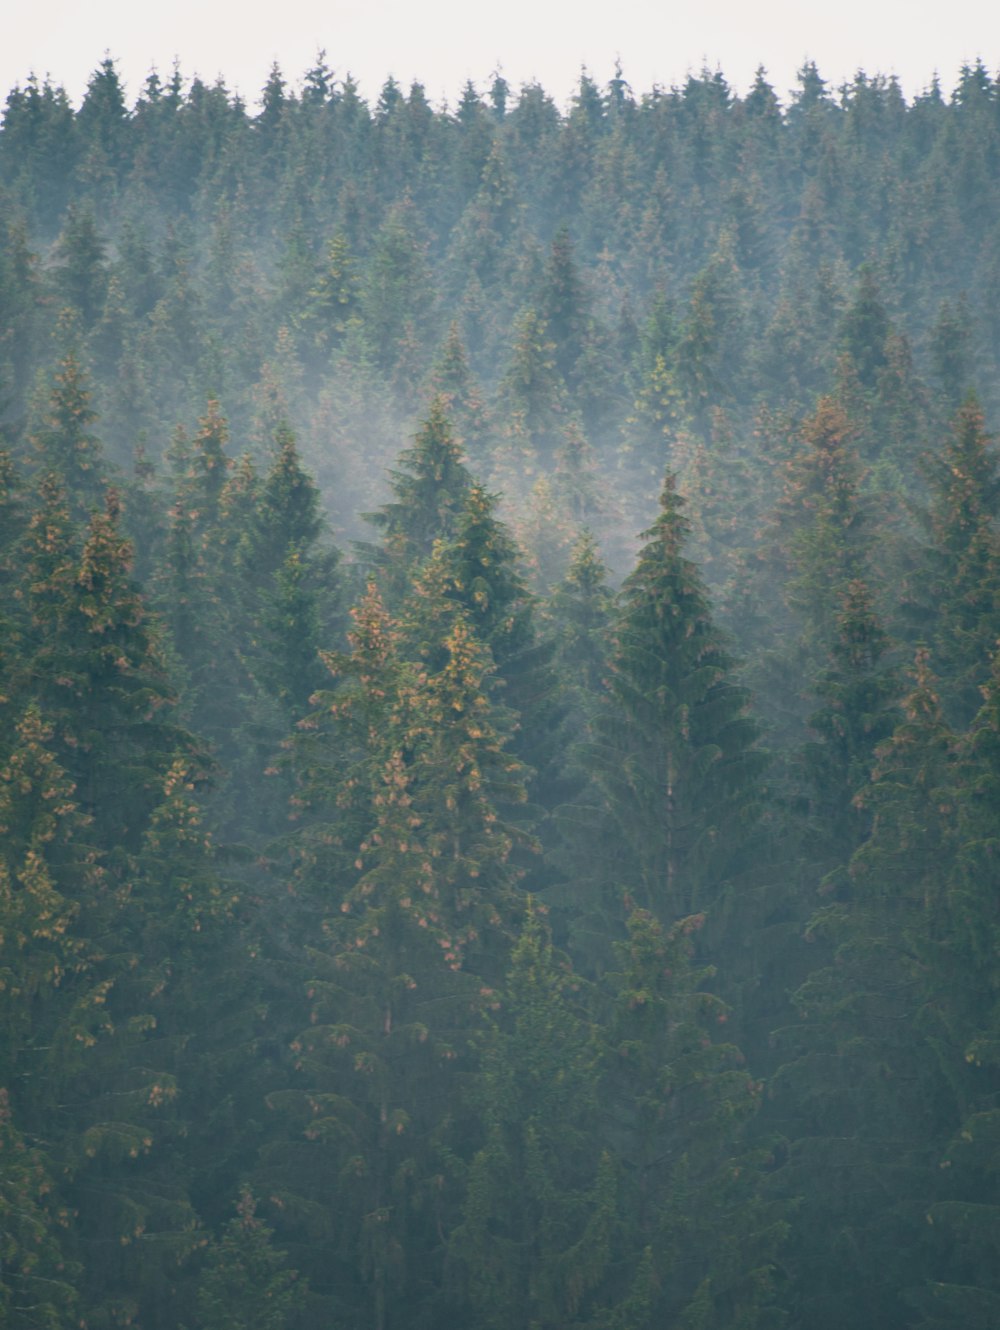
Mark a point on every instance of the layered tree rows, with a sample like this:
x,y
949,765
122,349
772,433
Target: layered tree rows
x,y
500,703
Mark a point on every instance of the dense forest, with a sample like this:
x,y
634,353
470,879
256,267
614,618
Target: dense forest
x,y
500,707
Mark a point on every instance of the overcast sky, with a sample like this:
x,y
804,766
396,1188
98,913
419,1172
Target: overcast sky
x,y
445,42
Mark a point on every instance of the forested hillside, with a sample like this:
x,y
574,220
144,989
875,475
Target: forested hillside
x,y
500,707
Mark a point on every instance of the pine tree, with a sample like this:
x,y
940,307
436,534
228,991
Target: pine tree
x,y
865,330
581,609
332,307
658,413
452,380
64,443
539,1214
79,963
824,523
577,620
958,957
101,677
531,395
82,276
955,597
819,543
292,581
479,571
36,1288
250,589
483,242
710,354
39,149
673,757
245,1285
396,301
43,876
20,324
951,351
868,1081
429,487
13,521
336,773
563,304
407,861
857,712
102,125
697,1241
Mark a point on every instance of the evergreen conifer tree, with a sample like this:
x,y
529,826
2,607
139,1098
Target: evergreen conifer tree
x,y
429,489
539,1215
408,864
245,1285
872,1100
673,757
955,597
857,694
697,1241
64,443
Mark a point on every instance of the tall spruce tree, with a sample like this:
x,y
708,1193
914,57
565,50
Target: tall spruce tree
x,y
408,865
867,1072
244,1284
96,747
429,488
534,1241
14,518
36,1281
671,815
818,544
580,609
480,568
955,598
697,1241
958,958
857,695
290,583
65,444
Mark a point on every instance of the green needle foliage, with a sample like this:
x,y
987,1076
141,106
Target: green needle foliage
x,y
672,754
472,940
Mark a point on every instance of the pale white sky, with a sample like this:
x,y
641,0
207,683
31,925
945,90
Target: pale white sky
x,y
444,42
